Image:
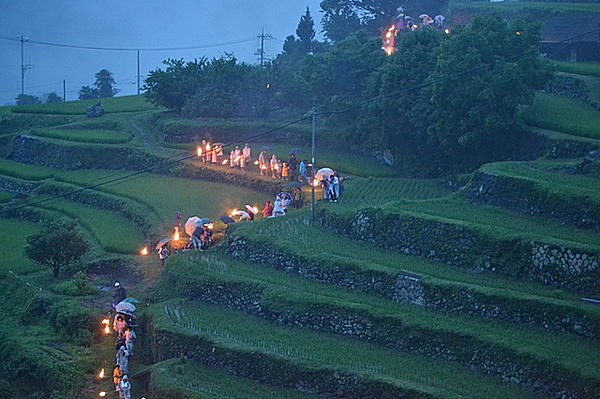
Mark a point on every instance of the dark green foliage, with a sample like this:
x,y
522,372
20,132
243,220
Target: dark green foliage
x,y
88,93
71,320
343,17
306,31
483,73
104,83
27,99
53,98
56,246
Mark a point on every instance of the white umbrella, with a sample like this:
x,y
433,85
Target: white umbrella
x,y
423,16
125,307
192,224
324,173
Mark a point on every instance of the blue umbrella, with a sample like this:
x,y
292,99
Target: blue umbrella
x,y
227,219
296,151
266,148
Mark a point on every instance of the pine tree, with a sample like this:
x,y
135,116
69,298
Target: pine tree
x,y
306,31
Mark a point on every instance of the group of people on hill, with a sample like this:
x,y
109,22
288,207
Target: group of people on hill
x,y
292,170
282,201
123,326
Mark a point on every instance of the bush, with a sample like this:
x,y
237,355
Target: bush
x,y
71,320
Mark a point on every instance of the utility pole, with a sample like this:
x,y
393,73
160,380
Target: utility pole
x,y
261,52
64,90
313,127
24,67
138,72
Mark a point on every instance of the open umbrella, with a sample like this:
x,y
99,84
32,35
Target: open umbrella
x,y
191,225
323,173
251,209
266,148
218,144
131,300
243,214
295,184
296,151
125,307
227,219
162,243
423,16
204,221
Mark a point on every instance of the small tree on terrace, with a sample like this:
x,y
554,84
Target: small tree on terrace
x,y
104,83
57,246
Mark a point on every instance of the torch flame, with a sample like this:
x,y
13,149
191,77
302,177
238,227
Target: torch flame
x,y
144,251
176,236
101,375
209,226
106,330
263,167
388,40
102,394
233,212
199,151
207,147
105,322
255,162
237,159
225,161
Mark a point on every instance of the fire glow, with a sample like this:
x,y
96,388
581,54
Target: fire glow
x,y
101,374
199,151
102,394
176,236
388,39
144,251
105,323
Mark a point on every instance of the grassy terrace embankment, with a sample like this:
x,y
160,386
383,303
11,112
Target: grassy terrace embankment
x,y
299,351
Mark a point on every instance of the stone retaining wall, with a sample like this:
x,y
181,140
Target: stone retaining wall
x,y
527,197
410,288
468,248
486,358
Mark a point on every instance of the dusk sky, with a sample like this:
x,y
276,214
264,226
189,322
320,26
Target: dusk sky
x,y
145,24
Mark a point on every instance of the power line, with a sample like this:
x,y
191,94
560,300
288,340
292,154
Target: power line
x,y
65,45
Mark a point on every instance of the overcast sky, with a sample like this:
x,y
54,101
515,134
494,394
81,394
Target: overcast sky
x,y
131,24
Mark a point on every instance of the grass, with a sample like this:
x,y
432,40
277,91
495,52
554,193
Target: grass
x,y
199,382
169,195
563,115
295,235
12,238
24,171
281,290
547,8
84,136
579,68
554,183
113,232
238,332
497,222
111,105
6,196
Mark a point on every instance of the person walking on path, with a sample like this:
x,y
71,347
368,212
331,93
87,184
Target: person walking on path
x,y
122,359
117,375
334,188
278,209
124,388
285,171
268,210
120,293
232,159
247,154
274,167
119,324
298,197
129,339
163,254
263,165
293,163
302,170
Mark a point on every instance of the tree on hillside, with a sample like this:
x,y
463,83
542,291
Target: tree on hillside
x,y
342,17
306,31
27,99
88,93
484,72
53,98
173,86
104,83
57,246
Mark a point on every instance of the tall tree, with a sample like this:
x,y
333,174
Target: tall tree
x,y
342,17
483,74
88,93
306,31
53,98
56,246
104,83
27,99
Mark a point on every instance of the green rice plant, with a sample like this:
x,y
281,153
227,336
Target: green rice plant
x,y
167,195
183,376
12,238
6,196
526,7
84,136
240,333
281,291
554,183
114,232
579,68
24,171
562,114
111,105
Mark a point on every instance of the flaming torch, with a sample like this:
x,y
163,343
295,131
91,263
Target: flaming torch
x,y
176,236
105,323
225,161
388,39
102,394
101,374
144,251
199,152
